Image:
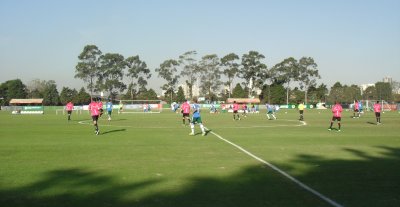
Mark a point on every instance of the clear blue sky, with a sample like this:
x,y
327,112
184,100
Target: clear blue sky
x,y
352,41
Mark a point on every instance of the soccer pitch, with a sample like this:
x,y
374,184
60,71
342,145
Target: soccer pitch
x,y
150,160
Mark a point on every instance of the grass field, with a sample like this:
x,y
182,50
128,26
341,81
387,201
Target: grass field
x,y
150,160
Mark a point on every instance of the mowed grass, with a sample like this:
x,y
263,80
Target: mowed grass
x,y
150,160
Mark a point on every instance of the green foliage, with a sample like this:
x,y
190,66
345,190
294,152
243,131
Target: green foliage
x,y
238,92
189,67
68,95
180,96
111,73
210,75
88,67
82,97
384,91
168,71
230,68
12,89
253,70
50,94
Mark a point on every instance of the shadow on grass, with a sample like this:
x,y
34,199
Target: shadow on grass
x,y
113,131
365,181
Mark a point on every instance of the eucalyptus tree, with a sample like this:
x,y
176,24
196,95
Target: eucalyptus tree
x,y
168,70
230,69
87,68
384,91
210,74
286,72
112,73
253,70
189,66
50,94
308,73
137,70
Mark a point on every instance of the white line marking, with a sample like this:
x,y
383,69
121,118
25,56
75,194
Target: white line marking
x,y
302,185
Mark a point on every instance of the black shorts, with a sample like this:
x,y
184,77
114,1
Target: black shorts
x,y
69,112
185,115
95,118
355,110
301,111
235,111
377,114
336,118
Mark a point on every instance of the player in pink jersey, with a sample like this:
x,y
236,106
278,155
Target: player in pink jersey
x,y
377,110
69,108
337,115
100,104
94,109
235,108
244,108
185,110
356,113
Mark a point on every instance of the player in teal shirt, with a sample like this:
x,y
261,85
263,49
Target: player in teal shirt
x,y
196,118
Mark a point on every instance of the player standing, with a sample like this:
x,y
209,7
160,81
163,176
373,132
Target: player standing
x,y
69,108
301,110
356,109
94,108
196,119
337,115
377,110
109,107
244,108
235,110
185,110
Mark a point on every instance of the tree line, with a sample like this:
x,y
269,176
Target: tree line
x,y
288,81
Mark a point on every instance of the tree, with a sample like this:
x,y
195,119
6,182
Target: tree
x,y
189,69
238,92
168,71
336,93
253,71
384,91
82,97
112,73
351,93
50,94
287,72
12,89
308,74
67,95
87,68
230,69
137,70
370,93
180,95
210,75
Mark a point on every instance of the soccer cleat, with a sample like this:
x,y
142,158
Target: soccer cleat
x,y
204,134
97,132
338,130
191,134
329,129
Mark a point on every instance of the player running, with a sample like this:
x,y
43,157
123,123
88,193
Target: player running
x,y
377,110
185,110
244,108
69,107
196,119
337,115
94,108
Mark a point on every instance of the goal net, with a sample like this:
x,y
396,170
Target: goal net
x,y
140,106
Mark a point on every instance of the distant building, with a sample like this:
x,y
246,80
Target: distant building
x,y
388,80
186,90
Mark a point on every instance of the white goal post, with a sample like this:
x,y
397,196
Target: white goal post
x,y
140,106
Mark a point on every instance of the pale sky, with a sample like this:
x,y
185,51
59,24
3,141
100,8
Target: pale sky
x,y
352,41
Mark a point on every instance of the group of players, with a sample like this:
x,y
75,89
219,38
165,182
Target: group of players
x,y
96,111
337,113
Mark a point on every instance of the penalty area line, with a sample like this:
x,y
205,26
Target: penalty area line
x,y
299,183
